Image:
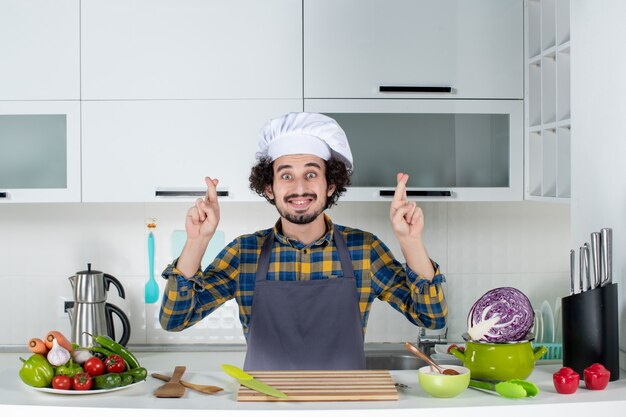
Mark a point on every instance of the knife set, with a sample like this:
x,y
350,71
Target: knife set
x,y
590,313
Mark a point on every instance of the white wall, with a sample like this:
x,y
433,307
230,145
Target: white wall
x,y
480,246
598,66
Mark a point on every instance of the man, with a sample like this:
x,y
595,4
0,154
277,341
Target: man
x,y
305,286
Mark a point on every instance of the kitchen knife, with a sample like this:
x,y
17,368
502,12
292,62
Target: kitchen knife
x,y
248,380
572,271
606,250
595,260
587,267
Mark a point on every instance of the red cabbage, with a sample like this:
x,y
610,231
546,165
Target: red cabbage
x,y
506,315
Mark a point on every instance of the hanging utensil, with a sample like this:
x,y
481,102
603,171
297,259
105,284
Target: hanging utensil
x,y
606,250
416,351
151,290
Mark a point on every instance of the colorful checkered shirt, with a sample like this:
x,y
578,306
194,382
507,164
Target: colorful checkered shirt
x,y
232,275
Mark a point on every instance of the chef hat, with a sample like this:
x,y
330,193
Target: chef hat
x,y
304,133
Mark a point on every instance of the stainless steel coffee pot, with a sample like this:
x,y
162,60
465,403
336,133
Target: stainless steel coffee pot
x,y
89,312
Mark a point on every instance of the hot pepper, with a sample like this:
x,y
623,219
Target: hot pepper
x,y
107,381
596,377
566,380
36,371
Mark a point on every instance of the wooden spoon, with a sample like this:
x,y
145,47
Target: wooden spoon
x,y
207,389
416,351
173,388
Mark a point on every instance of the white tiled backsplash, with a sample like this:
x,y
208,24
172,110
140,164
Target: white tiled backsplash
x,y
479,246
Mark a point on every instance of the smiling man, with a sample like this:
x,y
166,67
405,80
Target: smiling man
x,y
305,286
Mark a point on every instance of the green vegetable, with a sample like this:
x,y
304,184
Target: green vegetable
x,y
115,347
37,371
107,381
101,350
69,369
127,378
138,374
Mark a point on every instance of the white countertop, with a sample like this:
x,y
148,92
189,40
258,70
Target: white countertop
x,y
16,398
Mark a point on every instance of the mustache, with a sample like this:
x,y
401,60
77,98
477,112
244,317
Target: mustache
x,y
290,196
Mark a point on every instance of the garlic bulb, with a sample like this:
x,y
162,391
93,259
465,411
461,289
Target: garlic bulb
x,y
81,356
58,355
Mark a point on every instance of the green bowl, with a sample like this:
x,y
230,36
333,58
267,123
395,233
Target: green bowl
x,y
443,386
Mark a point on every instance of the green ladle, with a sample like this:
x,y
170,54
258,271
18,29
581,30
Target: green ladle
x,y
514,388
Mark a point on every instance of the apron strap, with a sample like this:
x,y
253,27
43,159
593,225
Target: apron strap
x,y
344,254
264,258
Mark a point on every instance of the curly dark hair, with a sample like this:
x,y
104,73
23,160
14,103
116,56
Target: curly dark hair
x,y
337,174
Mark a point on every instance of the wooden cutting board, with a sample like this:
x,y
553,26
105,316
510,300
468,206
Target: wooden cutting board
x,y
324,386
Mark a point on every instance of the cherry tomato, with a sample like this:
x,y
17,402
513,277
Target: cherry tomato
x,y
82,382
94,366
566,380
115,364
62,382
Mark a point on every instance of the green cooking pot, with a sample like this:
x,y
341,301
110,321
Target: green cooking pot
x,y
499,361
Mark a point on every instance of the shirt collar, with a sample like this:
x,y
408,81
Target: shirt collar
x,y
322,241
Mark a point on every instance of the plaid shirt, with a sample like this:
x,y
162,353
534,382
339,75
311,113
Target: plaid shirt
x,y
232,274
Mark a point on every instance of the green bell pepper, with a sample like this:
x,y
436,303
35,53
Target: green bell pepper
x,y
69,369
37,371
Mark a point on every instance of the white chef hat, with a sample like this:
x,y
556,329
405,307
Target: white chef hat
x,y
304,133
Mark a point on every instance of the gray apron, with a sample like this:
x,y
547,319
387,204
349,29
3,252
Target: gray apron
x,y
304,325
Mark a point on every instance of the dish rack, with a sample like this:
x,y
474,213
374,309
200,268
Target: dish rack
x,y
555,351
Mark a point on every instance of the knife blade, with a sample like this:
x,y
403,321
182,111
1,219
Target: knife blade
x,y
596,266
249,381
606,250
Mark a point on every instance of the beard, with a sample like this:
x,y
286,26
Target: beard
x,y
297,218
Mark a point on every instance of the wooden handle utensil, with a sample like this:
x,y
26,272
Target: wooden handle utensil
x,y
173,388
206,389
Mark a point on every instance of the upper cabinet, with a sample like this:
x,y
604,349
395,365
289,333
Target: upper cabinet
x,y
548,114
191,49
161,150
414,49
39,50
39,151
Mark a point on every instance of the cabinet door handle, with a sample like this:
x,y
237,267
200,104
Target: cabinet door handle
x,y
413,89
3,194
418,193
186,193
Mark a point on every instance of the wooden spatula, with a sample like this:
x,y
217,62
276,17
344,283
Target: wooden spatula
x,y
172,389
207,389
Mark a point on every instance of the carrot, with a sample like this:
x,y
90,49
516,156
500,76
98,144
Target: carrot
x,y
36,345
61,340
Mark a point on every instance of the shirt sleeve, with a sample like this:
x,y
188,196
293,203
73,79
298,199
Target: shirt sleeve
x,y
186,301
420,300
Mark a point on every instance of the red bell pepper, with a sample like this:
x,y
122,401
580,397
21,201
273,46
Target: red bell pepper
x,y
596,377
566,380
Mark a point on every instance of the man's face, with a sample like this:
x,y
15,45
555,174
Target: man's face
x,y
299,189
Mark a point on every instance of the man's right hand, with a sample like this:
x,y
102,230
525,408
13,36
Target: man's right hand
x,y
203,218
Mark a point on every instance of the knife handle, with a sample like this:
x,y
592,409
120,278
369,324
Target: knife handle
x,y
581,268
572,271
606,249
595,259
587,266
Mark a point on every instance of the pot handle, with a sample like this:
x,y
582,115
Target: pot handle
x,y
456,352
539,351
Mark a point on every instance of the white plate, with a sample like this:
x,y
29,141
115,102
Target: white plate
x,y
538,326
557,321
86,392
548,322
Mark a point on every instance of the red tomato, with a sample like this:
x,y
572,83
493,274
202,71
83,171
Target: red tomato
x,y
115,364
61,382
94,366
566,380
82,381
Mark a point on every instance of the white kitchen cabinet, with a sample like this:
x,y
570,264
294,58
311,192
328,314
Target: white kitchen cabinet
x,y
39,50
39,151
548,120
453,150
191,49
352,48
132,149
